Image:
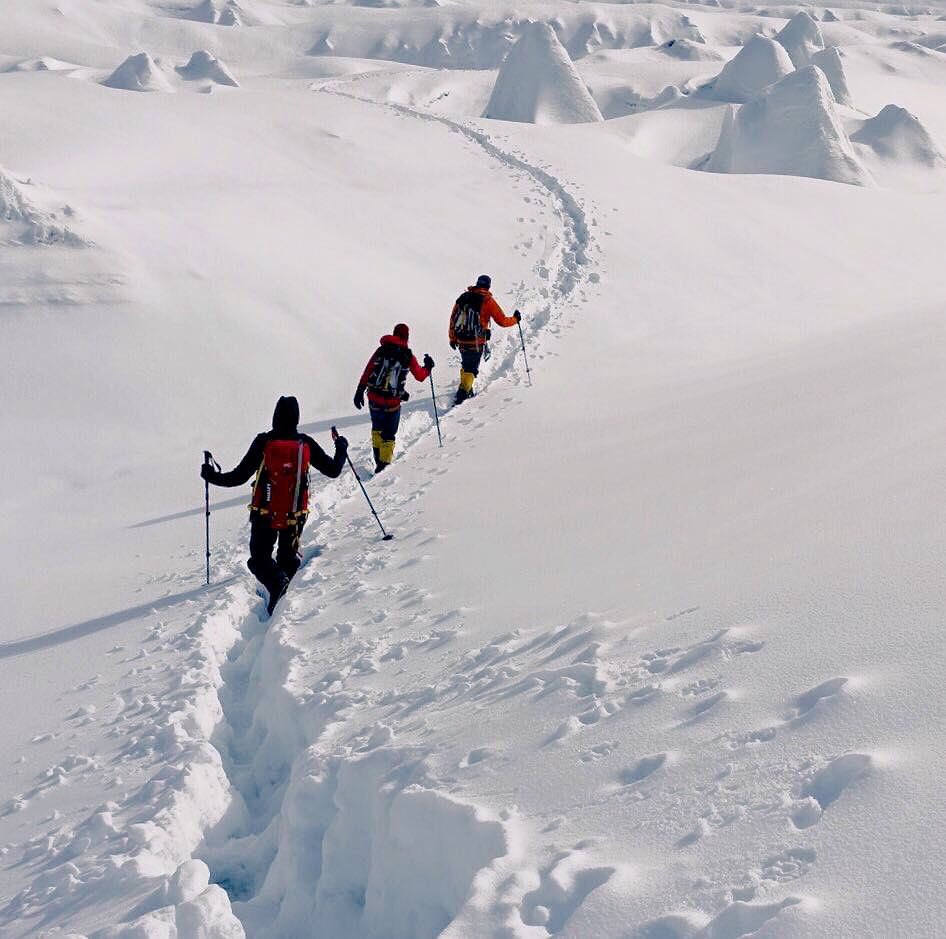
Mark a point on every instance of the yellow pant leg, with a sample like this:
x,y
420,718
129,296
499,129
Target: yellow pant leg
x,y
376,439
466,380
387,451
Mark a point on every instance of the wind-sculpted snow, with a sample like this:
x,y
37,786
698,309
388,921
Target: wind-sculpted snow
x,y
539,84
138,73
801,38
791,128
759,63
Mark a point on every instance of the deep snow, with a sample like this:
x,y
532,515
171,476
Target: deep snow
x,y
656,649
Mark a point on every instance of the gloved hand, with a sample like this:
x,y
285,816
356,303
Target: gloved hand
x,y
341,445
517,316
428,362
453,345
405,396
360,397
488,335
207,472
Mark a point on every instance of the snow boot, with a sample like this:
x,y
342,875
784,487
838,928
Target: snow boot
x,y
278,592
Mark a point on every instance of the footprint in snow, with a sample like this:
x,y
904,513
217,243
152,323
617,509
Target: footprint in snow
x,y
826,786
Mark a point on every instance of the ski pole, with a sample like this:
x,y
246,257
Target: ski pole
x,y
525,358
433,397
208,461
386,537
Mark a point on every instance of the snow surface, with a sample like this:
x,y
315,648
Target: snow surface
x,y
657,648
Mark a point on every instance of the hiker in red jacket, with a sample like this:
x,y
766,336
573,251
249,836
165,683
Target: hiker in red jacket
x,y
384,379
281,458
469,330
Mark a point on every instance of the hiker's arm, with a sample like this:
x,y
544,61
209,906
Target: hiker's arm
x,y
326,465
244,469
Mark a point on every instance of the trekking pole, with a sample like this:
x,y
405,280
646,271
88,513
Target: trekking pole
x,y
208,461
386,537
433,397
525,358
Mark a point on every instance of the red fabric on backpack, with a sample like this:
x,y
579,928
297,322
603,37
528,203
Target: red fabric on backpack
x,y
281,490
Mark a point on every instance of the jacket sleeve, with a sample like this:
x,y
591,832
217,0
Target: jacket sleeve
x,y
496,314
245,468
326,465
453,318
366,374
418,370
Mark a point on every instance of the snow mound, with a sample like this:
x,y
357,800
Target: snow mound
x,y
801,38
221,13
33,225
829,61
539,84
896,134
44,63
138,73
791,128
759,63
203,65
689,51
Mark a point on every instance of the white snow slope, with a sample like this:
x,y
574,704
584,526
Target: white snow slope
x,y
656,650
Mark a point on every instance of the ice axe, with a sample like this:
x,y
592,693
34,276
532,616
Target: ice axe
x,y
386,537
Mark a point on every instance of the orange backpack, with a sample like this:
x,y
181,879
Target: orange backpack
x,y
281,489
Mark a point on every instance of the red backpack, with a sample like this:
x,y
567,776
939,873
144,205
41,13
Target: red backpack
x,y
281,490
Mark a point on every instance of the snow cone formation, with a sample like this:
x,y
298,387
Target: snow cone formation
x,y
801,38
203,65
829,61
138,73
896,134
539,84
790,129
758,64
219,12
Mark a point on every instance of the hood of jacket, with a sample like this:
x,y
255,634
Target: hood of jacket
x,y
286,416
393,341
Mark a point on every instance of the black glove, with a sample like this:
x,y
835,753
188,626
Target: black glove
x,y
341,445
207,472
428,362
488,335
517,316
360,397
405,396
453,345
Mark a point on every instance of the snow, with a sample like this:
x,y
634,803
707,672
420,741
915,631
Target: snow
x,y
656,649
829,61
539,84
759,63
792,128
138,73
801,38
203,65
896,134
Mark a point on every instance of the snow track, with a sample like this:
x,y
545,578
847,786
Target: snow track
x,y
263,807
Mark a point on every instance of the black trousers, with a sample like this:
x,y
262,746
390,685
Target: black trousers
x,y
263,539
470,359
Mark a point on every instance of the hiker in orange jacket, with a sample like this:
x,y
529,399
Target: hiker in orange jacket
x,y
469,330
384,378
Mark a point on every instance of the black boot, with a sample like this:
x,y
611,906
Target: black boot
x,y
277,591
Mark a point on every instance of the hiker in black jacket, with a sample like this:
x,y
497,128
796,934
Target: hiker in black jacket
x,y
280,458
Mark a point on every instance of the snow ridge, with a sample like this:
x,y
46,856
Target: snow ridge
x,y
35,226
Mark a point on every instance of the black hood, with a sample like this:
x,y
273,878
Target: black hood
x,y
286,416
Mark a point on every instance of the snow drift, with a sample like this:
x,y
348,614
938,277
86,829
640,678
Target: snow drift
x,y
758,64
791,128
689,51
203,65
539,84
896,134
801,38
32,225
221,13
829,61
138,73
